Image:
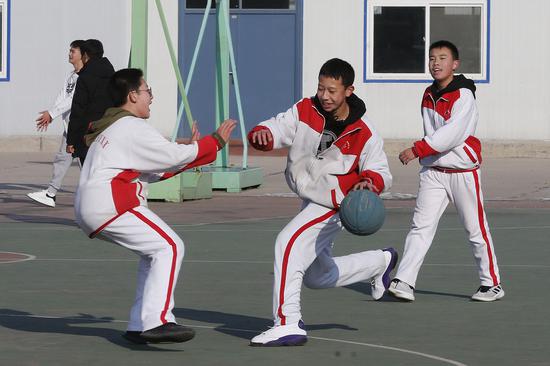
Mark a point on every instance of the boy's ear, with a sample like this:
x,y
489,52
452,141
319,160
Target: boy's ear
x,y
132,97
349,90
456,64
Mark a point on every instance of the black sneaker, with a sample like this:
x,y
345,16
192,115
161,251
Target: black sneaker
x,y
169,333
134,337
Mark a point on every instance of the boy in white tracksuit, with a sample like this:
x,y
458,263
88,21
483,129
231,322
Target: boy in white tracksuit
x,y
333,149
125,154
450,156
62,107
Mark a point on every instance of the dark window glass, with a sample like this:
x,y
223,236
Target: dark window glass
x,y
246,4
201,4
266,4
462,26
198,4
399,39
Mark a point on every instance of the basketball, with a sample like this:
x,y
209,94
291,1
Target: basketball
x,y
362,212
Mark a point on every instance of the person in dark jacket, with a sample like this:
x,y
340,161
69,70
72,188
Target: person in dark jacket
x,y
91,97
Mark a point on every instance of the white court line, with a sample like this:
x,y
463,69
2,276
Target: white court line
x,y
42,227
28,257
136,260
269,262
397,349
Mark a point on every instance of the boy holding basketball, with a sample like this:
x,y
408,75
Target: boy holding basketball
x,y
450,157
333,149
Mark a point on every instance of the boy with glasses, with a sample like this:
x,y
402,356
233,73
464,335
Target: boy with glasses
x,y
125,154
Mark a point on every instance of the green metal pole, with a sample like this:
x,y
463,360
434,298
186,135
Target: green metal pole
x,y
222,73
138,51
174,62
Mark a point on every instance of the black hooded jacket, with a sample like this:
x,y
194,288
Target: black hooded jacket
x,y
91,99
459,81
333,128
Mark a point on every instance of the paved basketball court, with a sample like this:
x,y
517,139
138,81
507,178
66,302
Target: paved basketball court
x,y
68,302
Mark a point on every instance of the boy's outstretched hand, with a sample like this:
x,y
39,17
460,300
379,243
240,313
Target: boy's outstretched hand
x,y
225,129
261,138
407,155
195,135
43,121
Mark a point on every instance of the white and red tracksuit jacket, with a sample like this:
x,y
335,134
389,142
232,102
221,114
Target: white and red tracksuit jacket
x,y
450,119
326,178
121,161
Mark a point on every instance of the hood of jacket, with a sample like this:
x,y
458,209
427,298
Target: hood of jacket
x,y
458,82
111,116
98,67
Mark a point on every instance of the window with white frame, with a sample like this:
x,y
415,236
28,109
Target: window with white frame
x,y
4,39
398,34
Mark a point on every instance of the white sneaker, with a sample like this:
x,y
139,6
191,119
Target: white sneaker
x,y
281,335
380,283
43,198
401,290
488,293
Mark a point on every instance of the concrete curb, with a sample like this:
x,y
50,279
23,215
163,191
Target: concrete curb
x,y
491,148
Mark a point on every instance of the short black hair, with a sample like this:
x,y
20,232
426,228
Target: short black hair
x,y
92,48
338,69
446,44
122,83
77,43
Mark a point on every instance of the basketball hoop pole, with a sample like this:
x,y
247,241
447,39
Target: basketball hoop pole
x,y
224,176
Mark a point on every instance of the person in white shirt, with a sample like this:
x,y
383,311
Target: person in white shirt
x,y
62,107
125,154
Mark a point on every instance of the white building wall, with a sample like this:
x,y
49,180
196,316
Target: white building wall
x,y
41,32
160,73
513,106
40,35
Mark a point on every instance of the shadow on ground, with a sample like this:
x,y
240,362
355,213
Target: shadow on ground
x,y
242,326
34,219
364,288
27,322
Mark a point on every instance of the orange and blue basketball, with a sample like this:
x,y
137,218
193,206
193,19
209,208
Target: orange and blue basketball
x,y
362,212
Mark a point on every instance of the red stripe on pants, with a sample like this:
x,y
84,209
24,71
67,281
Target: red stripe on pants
x,y
287,255
172,267
481,218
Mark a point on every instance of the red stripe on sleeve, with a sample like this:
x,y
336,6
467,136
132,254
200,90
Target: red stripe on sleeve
x,y
376,179
422,149
208,147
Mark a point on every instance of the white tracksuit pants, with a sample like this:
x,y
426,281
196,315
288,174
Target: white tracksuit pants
x,y
161,251
303,253
61,163
435,191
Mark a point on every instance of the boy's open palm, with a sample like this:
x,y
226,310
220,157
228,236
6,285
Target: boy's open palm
x,y
226,128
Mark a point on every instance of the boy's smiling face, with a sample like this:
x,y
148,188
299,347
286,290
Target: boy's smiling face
x,y
332,94
442,66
